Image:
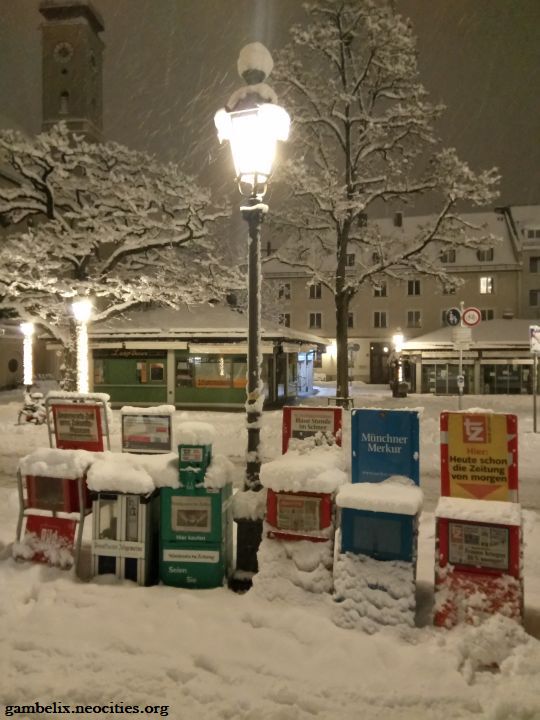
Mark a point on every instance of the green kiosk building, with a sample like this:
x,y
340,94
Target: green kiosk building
x,y
196,357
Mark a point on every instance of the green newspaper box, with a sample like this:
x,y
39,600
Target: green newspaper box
x,y
196,525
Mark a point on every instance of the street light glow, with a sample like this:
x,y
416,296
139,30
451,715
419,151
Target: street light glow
x,y
253,134
27,329
82,310
398,340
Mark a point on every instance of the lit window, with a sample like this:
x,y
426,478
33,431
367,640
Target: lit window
x,y
315,291
487,285
315,320
379,319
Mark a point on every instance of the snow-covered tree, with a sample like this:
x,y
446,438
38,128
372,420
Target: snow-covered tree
x,y
102,221
363,133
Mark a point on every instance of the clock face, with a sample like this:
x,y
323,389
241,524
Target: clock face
x,y
63,52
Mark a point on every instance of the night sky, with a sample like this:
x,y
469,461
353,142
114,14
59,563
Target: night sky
x,y
170,64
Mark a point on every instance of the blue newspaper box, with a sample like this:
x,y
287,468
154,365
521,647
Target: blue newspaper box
x,y
385,443
375,564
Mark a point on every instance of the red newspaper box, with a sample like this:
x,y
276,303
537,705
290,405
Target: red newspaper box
x,y
301,422
298,516
478,561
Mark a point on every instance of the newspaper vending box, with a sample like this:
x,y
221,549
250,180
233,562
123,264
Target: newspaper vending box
x,y
196,525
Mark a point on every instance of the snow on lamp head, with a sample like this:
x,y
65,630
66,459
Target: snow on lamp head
x,y
252,122
82,310
27,329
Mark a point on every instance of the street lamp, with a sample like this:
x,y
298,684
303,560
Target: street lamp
x,y
27,329
252,123
82,311
398,385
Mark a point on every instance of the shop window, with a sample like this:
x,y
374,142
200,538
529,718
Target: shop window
x,y
487,285
99,372
211,371
315,291
150,372
141,373
157,372
380,319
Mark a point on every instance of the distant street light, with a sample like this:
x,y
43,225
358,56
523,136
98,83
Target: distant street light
x,y
82,311
398,384
27,329
252,122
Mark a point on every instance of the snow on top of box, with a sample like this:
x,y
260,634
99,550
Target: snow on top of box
x,y
162,468
482,511
219,472
53,462
321,469
154,410
61,395
397,494
195,433
119,473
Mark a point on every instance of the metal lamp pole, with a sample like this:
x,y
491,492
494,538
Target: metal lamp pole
x,y
252,122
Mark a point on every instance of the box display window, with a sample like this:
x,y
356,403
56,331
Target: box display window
x,y
184,375
377,536
48,493
191,514
108,519
132,518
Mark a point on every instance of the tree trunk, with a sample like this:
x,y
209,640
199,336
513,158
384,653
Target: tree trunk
x,y
342,337
68,368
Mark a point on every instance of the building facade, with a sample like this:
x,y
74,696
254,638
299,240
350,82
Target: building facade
x,y
502,281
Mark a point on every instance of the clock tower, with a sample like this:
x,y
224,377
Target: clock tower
x,y
72,61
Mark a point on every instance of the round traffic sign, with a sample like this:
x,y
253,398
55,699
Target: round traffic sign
x,y
453,316
471,316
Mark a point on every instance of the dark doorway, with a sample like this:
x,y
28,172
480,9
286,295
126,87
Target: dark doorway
x,y
378,363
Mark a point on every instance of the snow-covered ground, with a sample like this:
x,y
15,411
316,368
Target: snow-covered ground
x,y
213,654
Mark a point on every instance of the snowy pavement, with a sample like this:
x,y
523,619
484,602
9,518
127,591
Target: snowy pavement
x,y
217,655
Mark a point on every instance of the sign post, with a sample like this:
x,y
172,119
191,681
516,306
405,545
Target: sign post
x,y
462,319
534,338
